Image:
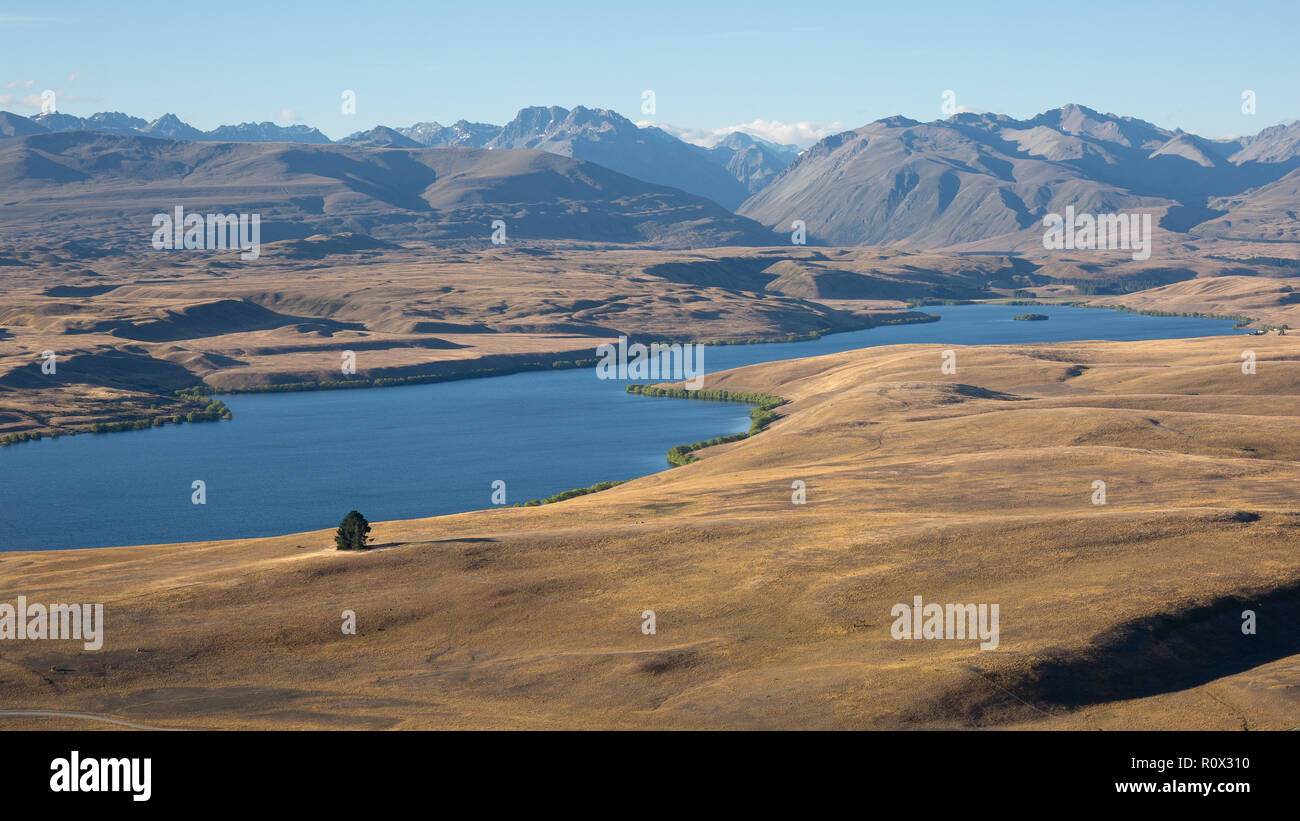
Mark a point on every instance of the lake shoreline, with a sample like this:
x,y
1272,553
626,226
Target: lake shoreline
x,y
543,362
540,362
433,452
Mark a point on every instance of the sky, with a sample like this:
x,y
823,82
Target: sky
x,y
790,71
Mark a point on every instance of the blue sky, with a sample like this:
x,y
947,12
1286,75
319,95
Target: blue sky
x,y
830,65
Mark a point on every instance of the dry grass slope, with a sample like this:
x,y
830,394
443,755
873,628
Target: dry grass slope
x,y
973,487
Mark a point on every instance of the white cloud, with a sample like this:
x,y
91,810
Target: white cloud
x,y
32,101
74,76
20,84
288,115
802,134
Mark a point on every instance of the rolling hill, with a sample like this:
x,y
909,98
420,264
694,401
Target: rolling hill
x,y
971,487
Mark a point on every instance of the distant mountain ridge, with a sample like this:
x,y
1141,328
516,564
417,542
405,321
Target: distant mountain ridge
x,y
381,136
105,189
726,174
752,161
171,127
460,133
607,138
977,181
987,180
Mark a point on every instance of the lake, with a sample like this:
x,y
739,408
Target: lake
x,y
292,462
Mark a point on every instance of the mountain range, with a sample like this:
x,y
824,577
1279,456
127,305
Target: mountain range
x,y
170,127
976,178
105,188
974,181
727,174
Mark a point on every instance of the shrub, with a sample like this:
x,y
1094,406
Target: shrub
x,y
761,415
570,494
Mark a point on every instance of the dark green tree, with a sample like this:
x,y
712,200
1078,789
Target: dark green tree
x,y
353,532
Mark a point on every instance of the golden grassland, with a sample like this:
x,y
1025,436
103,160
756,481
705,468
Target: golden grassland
x,y
973,487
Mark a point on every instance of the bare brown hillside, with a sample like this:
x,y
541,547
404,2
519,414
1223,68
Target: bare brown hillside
x,y
976,487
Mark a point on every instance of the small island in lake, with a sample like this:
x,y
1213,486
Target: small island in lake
x,y
1030,317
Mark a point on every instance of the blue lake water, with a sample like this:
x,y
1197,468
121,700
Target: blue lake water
x,y
292,462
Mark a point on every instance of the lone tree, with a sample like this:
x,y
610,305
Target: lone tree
x,y
353,532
